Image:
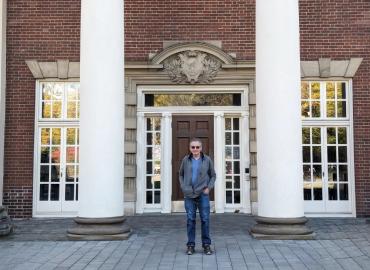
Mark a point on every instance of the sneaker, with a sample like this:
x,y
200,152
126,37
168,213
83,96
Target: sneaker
x,y
190,250
207,250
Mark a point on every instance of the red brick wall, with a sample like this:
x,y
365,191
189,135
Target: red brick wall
x,y
46,31
49,30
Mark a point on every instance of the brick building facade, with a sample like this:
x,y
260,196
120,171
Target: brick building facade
x,y
48,31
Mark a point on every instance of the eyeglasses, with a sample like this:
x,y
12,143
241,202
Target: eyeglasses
x,y
195,147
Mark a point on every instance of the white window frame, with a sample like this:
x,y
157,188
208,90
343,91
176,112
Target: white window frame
x,y
334,122
43,123
166,113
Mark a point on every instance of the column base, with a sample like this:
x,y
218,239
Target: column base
x,y
6,226
282,229
103,229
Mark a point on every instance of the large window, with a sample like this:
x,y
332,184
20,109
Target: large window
x,y
58,147
326,146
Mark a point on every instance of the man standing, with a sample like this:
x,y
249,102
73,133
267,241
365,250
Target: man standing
x,y
197,177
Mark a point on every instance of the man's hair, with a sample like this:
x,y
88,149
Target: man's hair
x,y
196,140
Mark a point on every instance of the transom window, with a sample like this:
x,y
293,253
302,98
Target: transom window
x,y
325,100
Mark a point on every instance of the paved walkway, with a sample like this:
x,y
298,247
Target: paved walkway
x,y
158,242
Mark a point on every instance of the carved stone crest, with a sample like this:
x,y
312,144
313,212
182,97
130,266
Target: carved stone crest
x,y
192,67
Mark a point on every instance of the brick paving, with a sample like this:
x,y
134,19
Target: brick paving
x,y
158,242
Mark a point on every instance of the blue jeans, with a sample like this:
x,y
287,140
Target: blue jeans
x,y
191,205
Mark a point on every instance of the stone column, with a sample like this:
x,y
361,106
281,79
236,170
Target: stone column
x,y
218,161
101,122
279,157
166,163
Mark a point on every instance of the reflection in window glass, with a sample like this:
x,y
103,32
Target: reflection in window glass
x,y
209,99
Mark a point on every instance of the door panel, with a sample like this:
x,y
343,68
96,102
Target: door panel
x,y
184,128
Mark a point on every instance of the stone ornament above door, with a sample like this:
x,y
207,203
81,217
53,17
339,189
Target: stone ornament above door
x,y
192,62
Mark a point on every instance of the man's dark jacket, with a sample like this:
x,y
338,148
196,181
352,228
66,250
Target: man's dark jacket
x,y
206,176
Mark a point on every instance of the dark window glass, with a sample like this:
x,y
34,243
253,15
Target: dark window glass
x,y
236,167
44,192
149,197
149,153
332,192
229,184
44,173
237,99
317,194
307,192
149,167
149,184
229,196
157,196
149,100
69,194
343,192
236,123
236,181
54,192
236,196
236,138
76,192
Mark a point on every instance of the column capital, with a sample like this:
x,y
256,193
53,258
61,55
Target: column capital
x,y
166,115
140,114
219,114
245,114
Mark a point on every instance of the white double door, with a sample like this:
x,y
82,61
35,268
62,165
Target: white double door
x,y
327,170
56,171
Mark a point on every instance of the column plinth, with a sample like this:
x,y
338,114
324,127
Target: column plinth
x,y
100,229
6,226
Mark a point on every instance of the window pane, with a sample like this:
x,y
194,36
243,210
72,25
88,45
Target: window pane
x,y
72,109
333,192
317,173
315,109
45,136
56,136
237,196
157,196
45,155
228,138
316,153
54,192
343,173
330,90
236,138
229,196
305,94
70,152
236,181
342,135
236,152
149,125
149,152
70,173
149,183
305,109
316,135
55,173
331,136
315,90
306,172
149,197
236,124
228,152
229,184
341,107
55,155
332,154
46,109
307,191
71,136
44,173
57,109
341,90
69,193
149,167
306,154
44,192
305,135
330,109
342,153
317,191
343,192
214,99
149,138
229,167
332,173
228,123
236,167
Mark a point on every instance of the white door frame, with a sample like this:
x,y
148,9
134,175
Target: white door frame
x,y
166,143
